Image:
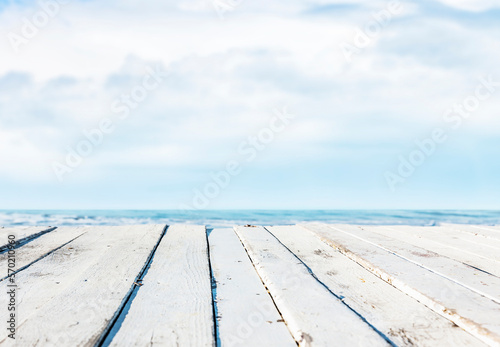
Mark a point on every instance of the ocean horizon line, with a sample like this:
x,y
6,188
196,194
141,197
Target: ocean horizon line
x,y
227,218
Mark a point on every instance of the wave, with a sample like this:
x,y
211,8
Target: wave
x,y
229,218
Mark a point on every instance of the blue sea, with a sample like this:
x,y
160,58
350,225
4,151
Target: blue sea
x,y
225,218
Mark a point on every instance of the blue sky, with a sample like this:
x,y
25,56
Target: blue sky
x,y
222,79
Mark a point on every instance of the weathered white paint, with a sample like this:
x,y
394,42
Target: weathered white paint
x,y
478,281
41,246
456,240
464,307
459,237
425,239
67,298
173,307
246,313
313,314
401,318
21,234
489,232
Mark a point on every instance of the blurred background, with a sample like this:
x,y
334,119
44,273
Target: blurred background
x,y
154,104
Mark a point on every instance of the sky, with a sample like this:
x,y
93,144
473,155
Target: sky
x,y
239,104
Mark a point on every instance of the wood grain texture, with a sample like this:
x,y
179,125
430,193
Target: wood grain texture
x,y
401,318
473,279
173,307
246,313
474,313
425,238
333,285
41,246
67,298
312,313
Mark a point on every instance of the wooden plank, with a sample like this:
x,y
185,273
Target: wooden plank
x,y
458,235
21,234
174,304
312,313
41,247
246,314
473,312
448,237
488,232
482,283
401,318
424,238
68,297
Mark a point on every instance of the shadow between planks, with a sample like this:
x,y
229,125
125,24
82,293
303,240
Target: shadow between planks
x,y
306,285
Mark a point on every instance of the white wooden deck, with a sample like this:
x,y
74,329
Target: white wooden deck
x,y
308,285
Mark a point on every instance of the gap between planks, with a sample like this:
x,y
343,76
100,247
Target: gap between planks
x,y
311,311
115,322
174,306
98,266
247,314
389,310
23,235
464,307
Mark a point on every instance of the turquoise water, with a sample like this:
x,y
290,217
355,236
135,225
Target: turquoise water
x,y
221,218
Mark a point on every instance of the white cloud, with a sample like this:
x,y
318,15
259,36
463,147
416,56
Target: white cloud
x,y
225,79
21,160
472,5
